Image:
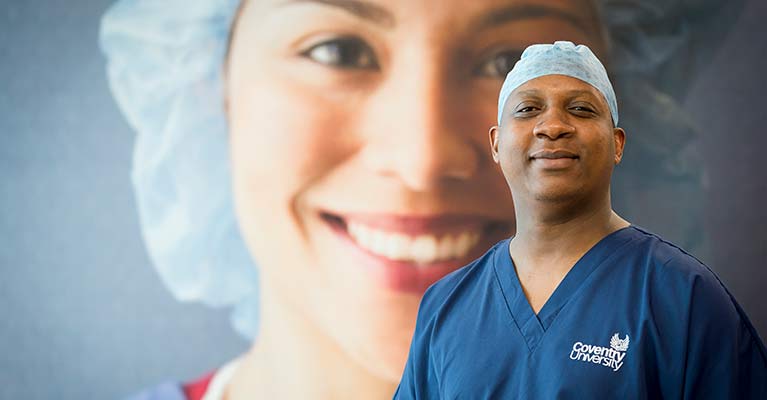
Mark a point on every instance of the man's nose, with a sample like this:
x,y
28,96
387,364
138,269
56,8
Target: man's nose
x,y
416,133
553,124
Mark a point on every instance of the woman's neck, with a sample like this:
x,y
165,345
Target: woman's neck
x,y
293,358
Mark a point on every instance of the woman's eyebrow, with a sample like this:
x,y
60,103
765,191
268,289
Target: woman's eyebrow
x,y
528,11
361,9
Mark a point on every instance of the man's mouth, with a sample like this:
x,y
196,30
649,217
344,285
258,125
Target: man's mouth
x,y
555,160
552,155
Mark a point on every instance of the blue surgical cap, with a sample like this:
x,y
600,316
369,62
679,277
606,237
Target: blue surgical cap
x,y
164,64
560,58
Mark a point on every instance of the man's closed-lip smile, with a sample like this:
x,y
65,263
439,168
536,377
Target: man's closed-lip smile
x,y
554,159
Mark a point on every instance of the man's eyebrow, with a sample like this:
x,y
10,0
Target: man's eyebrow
x,y
528,93
580,92
529,11
367,11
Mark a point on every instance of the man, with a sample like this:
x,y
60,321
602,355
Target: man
x,y
579,303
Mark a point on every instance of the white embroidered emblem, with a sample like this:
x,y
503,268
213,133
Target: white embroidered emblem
x,y
611,357
619,344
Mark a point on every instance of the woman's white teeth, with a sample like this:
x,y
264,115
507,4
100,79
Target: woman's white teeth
x,y
421,249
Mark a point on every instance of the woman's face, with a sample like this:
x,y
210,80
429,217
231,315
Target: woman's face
x,y
362,172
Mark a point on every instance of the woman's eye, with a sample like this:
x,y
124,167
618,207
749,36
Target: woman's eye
x,y
347,52
499,64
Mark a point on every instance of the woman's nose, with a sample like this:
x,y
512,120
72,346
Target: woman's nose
x,y
415,133
553,125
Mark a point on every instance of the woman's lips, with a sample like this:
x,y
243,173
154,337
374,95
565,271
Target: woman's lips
x,y
422,249
411,253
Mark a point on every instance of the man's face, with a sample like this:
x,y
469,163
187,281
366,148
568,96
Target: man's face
x,y
557,141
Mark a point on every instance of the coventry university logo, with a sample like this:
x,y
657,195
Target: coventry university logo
x,y
619,344
611,357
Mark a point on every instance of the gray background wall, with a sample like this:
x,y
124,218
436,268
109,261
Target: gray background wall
x,y
83,315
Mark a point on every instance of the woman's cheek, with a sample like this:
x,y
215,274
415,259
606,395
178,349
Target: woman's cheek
x,y
287,135
285,139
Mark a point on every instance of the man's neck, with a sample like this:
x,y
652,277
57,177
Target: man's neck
x,y
551,238
550,232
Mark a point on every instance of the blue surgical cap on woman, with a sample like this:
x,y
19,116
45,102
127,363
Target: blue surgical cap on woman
x,y
165,68
560,58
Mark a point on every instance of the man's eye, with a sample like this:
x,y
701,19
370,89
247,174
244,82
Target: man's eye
x,y
499,64
348,52
526,109
582,109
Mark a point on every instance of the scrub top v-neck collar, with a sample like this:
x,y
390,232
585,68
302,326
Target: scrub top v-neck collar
x,y
532,326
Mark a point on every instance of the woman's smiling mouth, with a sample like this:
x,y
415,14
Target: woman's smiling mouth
x,y
412,252
422,249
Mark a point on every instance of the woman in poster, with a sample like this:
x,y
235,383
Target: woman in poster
x,y
318,164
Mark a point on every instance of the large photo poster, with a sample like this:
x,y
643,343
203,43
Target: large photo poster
x,y
191,187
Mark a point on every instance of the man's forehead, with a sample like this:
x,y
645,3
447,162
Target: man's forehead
x,y
557,85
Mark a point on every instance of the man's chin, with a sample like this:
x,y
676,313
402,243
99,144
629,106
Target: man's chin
x,y
557,195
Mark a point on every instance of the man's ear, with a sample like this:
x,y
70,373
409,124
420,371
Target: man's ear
x,y
619,136
494,135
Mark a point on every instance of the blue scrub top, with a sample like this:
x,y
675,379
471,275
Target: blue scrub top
x,y
635,318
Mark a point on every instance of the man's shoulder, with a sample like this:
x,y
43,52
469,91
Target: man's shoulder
x,y
674,273
691,286
663,256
